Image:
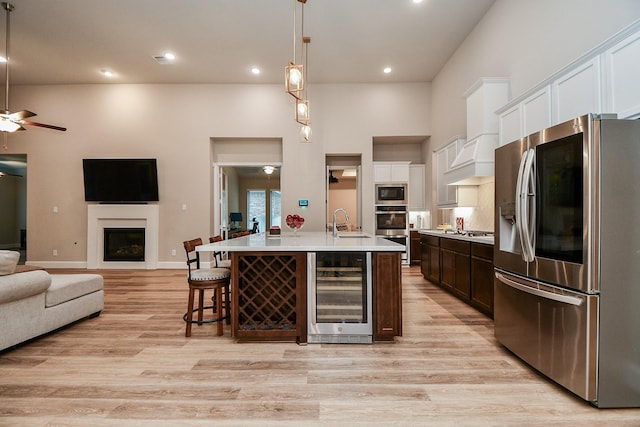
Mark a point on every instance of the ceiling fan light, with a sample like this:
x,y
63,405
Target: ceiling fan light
x,y
268,169
7,125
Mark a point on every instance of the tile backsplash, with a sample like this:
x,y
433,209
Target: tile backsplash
x,y
480,217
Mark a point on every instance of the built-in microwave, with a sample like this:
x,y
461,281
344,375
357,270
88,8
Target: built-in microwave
x,y
391,194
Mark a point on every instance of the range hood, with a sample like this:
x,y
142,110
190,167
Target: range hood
x,y
474,163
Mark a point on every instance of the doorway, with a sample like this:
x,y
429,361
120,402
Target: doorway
x,y
344,190
239,166
13,199
250,199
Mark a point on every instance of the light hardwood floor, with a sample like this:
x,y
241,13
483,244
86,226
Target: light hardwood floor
x,y
132,366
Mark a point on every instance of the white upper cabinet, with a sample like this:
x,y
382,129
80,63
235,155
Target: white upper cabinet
x,y
578,92
526,117
623,80
510,125
536,112
606,80
446,195
391,172
417,201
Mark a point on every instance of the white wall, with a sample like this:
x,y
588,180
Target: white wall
x,y
175,124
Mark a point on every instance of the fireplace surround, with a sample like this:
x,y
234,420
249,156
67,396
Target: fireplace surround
x,y
100,217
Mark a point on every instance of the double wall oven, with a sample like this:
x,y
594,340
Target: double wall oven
x,y
392,215
567,299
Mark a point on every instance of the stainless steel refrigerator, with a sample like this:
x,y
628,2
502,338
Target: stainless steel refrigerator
x,y
567,256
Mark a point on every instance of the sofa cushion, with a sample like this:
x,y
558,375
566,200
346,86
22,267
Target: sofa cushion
x,y
22,285
65,287
8,262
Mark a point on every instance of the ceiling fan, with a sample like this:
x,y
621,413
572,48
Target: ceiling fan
x,y
11,122
9,174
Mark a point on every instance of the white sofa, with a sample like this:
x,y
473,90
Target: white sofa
x,y
35,302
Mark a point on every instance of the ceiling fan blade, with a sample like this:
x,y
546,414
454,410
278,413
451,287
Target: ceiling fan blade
x,y
19,115
42,125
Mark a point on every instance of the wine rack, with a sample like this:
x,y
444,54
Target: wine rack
x,y
269,296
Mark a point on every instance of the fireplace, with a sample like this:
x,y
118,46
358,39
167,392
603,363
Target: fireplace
x,y
118,217
123,244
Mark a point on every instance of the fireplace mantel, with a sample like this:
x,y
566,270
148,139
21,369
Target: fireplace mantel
x,y
124,216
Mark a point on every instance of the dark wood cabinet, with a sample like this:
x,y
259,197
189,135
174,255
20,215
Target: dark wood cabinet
x,y
430,258
455,274
482,277
414,247
462,267
387,296
269,296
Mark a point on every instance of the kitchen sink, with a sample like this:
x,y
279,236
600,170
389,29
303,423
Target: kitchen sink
x,y
352,235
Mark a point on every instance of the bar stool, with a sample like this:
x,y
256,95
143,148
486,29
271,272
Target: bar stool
x,y
201,279
220,262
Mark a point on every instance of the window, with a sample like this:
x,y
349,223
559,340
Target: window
x,y
257,208
275,215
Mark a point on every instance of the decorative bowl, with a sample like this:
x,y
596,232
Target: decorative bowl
x,y
295,222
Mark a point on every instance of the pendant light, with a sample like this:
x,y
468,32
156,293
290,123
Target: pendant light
x,y
293,73
296,77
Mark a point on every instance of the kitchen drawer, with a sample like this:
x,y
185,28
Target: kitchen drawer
x,y
482,251
430,240
456,245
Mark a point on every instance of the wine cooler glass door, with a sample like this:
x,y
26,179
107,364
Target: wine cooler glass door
x,y
340,294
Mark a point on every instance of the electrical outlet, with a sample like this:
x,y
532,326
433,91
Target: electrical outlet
x,y
173,252
55,252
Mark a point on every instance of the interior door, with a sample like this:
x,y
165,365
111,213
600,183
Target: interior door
x,y
344,189
224,202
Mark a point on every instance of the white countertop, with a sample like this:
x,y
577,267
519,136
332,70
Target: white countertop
x,y
304,241
476,239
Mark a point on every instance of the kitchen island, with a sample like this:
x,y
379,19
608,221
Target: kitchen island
x,y
270,281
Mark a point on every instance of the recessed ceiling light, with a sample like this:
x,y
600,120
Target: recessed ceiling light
x,y
165,58
386,70
255,70
107,73
417,1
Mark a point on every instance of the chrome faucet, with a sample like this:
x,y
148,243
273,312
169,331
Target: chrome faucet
x,y
346,216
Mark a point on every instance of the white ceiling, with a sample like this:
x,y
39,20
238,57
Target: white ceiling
x,y
218,41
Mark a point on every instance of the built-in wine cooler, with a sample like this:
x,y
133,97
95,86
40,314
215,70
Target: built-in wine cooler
x,y
339,297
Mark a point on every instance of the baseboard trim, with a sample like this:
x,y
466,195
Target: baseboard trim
x,y
171,265
58,264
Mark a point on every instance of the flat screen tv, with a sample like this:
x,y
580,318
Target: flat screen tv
x,y
120,180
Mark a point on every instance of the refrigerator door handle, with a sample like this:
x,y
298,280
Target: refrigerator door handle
x,y
566,299
527,197
519,214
